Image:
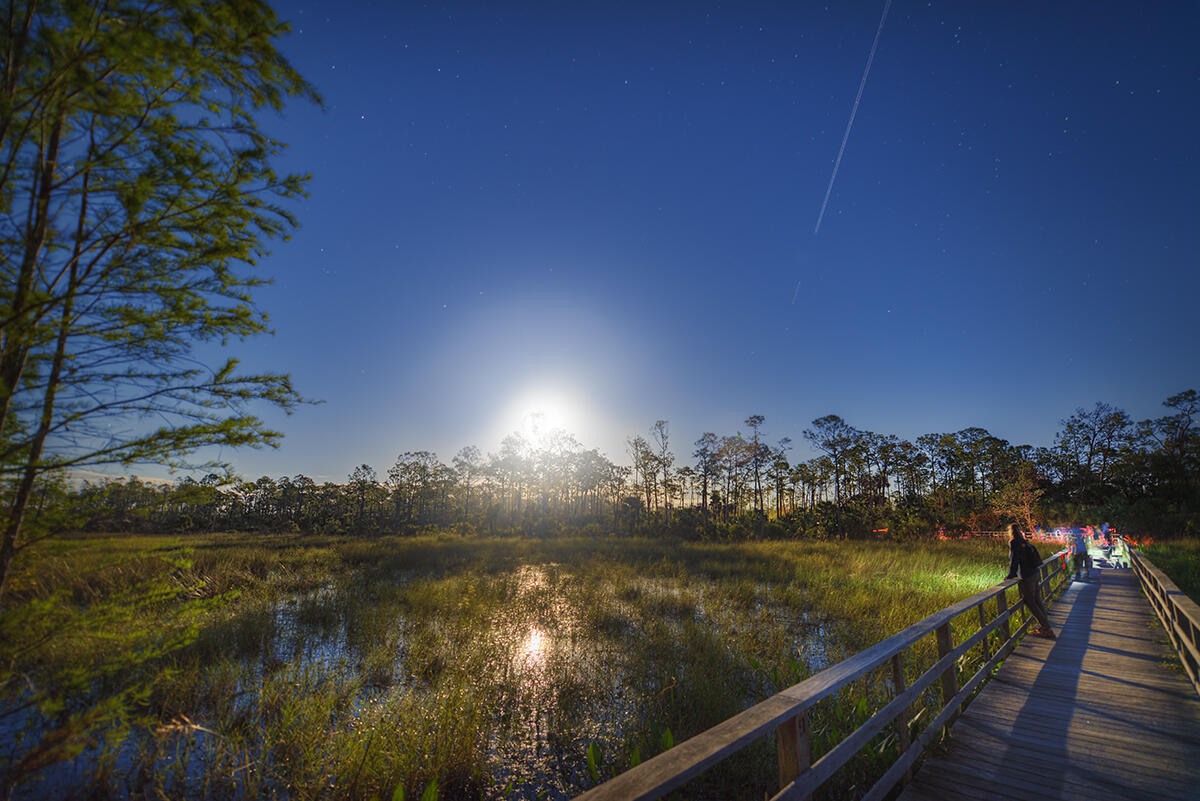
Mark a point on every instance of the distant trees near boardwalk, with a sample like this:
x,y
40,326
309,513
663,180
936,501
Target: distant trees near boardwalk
x,y
1101,466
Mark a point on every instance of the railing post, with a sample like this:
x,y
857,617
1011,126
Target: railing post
x,y
1001,608
901,722
795,752
987,649
945,645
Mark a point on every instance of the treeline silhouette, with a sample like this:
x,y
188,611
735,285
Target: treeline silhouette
x,y
1102,466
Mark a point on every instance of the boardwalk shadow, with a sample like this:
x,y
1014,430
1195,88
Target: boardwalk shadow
x,y
1057,681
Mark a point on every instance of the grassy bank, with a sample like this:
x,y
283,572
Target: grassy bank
x,y
1179,559
229,666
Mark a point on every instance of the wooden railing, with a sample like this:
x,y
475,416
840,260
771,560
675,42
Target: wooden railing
x,y
1179,614
787,712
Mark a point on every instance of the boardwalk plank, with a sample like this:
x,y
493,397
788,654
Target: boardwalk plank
x,y
998,756
1098,713
1092,734
1153,681
1099,780
954,780
1124,717
947,782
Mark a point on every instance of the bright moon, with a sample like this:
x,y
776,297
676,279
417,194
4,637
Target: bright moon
x,y
541,410
545,413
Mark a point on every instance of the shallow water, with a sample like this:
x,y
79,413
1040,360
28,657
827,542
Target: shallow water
x,y
561,670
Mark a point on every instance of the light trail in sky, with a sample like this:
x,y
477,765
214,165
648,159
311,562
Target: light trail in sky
x,y
854,110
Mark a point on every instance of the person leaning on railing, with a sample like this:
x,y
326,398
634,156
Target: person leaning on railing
x,y
1023,563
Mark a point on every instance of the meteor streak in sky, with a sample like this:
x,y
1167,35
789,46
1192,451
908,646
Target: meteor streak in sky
x,y
854,110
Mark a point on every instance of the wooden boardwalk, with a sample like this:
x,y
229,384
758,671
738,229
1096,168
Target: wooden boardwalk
x,y
1096,714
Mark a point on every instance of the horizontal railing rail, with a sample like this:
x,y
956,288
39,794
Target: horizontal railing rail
x,y
787,713
1178,613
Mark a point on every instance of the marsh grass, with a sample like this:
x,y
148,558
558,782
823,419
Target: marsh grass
x,y
1179,559
302,667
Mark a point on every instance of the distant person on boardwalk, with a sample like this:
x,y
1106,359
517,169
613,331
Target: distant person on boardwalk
x,y
1080,556
1023,563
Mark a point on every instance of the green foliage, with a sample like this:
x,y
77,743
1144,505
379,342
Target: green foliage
x,y
1180,560
593,761
138,192
83,662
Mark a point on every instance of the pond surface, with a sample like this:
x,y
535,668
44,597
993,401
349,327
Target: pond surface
x,y
494,685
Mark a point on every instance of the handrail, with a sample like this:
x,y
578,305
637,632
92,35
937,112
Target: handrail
x,y
1178,613
786,712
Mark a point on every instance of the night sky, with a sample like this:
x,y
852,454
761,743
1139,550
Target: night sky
x,y
605,212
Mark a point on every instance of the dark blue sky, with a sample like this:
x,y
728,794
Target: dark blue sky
x,y
604,210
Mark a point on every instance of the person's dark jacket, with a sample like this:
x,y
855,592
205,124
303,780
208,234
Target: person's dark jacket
x,y
1023,559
